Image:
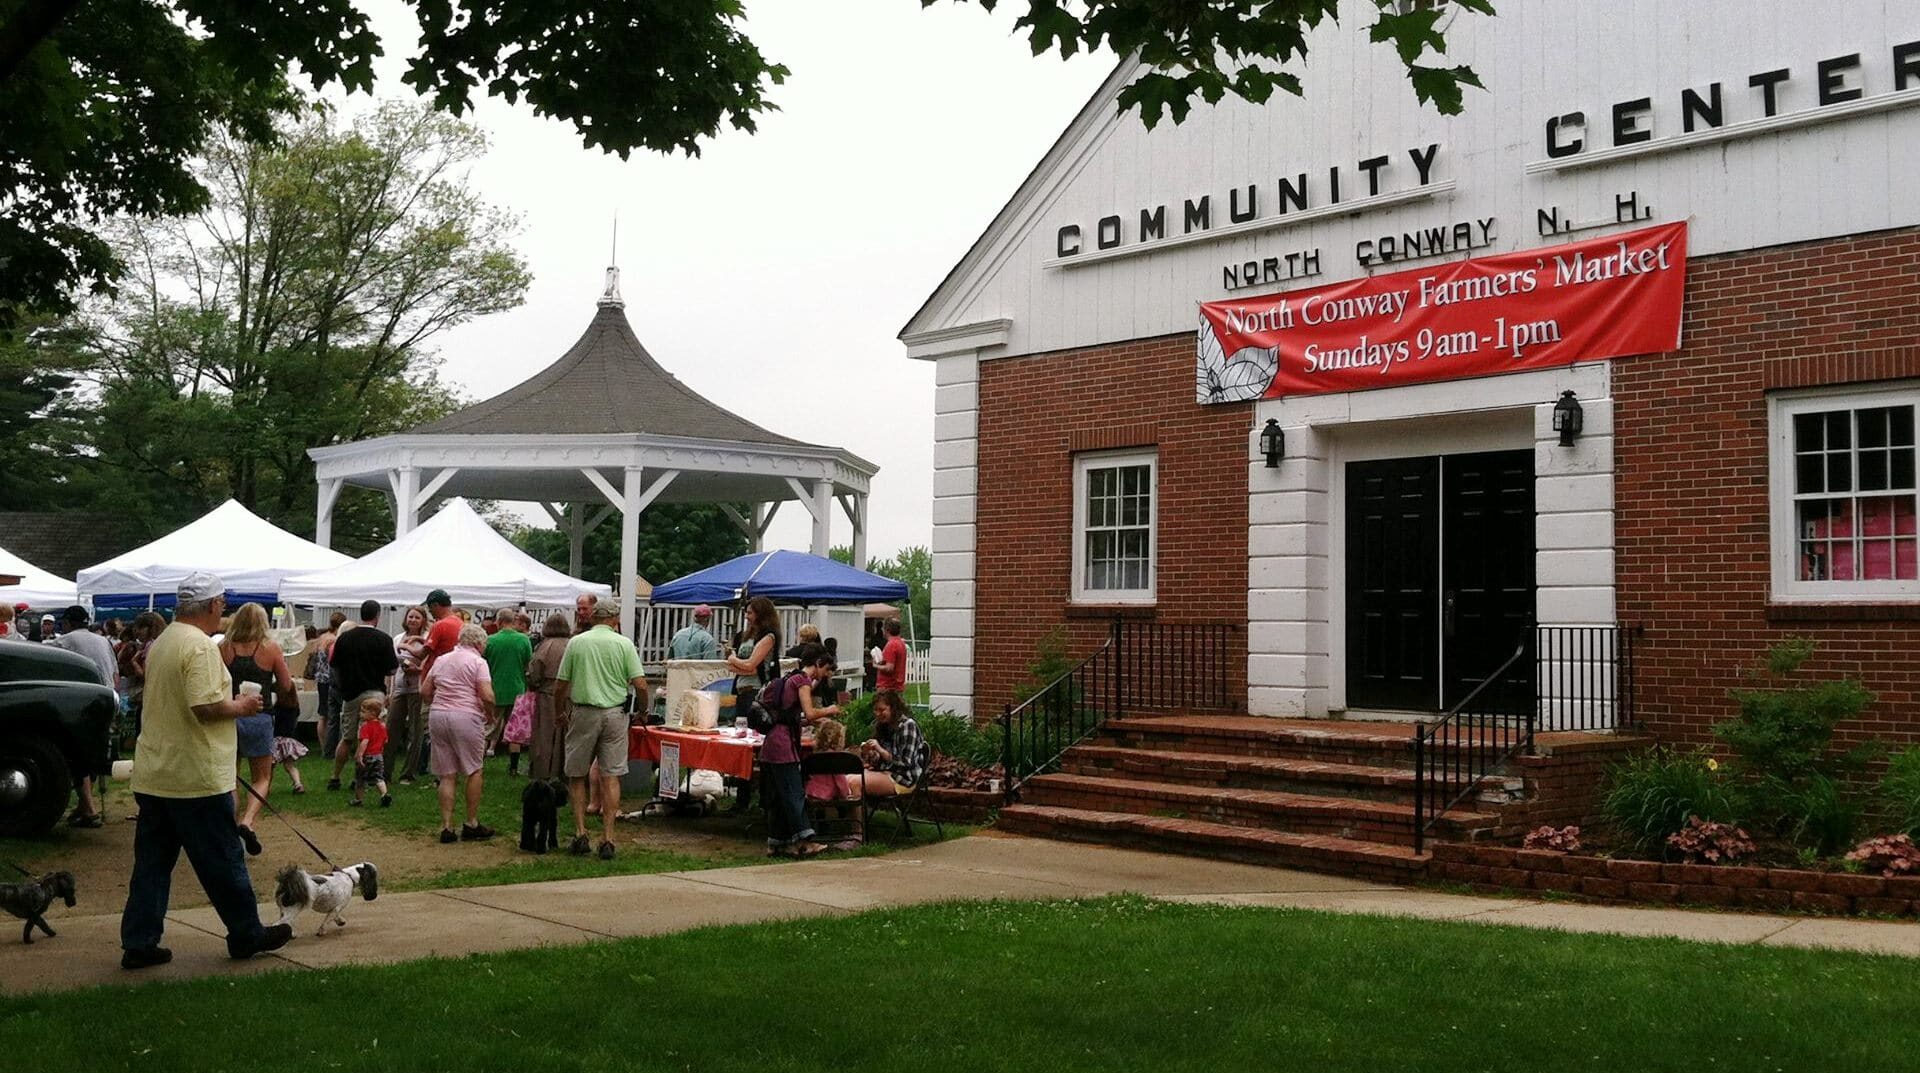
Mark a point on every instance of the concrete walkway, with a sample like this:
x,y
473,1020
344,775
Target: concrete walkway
x,y
450,923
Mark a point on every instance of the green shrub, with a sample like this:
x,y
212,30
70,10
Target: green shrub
x,y
1784,732
1651,795
1820,813
1900,791
1050,661
957,737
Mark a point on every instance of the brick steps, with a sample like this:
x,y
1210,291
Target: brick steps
x,y
1225,770
1325,741
1385,822
1249,845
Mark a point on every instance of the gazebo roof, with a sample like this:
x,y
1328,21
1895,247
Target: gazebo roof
x,y
606,384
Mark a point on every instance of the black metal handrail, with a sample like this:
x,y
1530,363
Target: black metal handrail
x,y
1474,739
1179,666
1140,667
1035,733
1585,677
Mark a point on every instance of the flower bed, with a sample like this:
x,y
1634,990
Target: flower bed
x,y
1505,868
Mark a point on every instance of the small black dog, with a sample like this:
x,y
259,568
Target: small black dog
x,y
31,899
540,805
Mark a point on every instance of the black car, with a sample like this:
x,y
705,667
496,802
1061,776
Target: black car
x,y
56,725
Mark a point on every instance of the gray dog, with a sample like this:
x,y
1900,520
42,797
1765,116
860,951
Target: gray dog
x,y
31,899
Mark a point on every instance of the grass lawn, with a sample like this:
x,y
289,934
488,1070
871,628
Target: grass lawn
x,y
654,844
1108,984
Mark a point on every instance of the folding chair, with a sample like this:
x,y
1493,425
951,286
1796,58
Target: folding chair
x,y
902,804
847,814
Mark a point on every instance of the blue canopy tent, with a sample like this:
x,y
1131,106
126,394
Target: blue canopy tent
x,y
790,577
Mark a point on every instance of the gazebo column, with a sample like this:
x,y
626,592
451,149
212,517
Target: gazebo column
x,y
576,538
406,492
858,504
630,508
323,510
822,507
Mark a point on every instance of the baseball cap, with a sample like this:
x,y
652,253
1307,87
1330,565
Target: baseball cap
x,y
439,598
21,608
703,611
199,586
606,610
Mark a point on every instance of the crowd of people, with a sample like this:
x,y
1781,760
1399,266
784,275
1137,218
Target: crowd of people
x,y
214,688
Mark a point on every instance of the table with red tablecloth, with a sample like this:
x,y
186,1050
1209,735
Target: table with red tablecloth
x,y
706,752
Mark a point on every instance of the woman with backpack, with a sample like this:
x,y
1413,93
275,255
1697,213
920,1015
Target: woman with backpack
x,y
755,662
785,707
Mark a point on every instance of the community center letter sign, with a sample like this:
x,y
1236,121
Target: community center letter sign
x,y
1537,309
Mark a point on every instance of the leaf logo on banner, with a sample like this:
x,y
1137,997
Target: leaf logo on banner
x,y
1240,378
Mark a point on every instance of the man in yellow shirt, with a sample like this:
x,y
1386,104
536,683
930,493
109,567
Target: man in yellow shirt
x,y
183,780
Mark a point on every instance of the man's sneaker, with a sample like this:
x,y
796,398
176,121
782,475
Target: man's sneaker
x,y
333,784
447,835
386,800
356,802
581,846
273,937
606,851
478,832
145,957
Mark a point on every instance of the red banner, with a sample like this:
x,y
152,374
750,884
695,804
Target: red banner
x,y
1536,309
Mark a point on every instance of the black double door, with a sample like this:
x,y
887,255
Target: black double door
x,y
1439,575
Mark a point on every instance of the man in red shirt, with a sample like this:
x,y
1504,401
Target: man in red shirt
x,y
444,635
891,671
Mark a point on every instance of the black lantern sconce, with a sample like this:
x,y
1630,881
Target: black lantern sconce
x,y
1568,418
1273,443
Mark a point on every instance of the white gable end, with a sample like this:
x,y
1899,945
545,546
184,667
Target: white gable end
x,y
1122,230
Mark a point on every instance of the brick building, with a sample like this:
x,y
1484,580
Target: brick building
x,y
1755,482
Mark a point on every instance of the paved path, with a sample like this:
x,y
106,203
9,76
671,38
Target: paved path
x,y
402,926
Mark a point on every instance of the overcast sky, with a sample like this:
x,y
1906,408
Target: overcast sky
x,y
773,272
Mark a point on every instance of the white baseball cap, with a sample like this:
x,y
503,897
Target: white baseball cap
x,y
199,586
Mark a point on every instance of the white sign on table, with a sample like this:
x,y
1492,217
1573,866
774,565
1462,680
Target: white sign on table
x,y
670,769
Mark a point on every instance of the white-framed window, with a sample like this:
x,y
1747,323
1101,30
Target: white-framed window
x,y
1115,511
1844,496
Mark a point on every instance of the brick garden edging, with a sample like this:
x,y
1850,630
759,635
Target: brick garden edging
x,y
954,805
1503,868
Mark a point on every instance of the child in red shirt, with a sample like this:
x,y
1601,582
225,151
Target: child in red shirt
x,y
369,760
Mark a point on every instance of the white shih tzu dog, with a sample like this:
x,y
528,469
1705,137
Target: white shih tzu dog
x,y
328,894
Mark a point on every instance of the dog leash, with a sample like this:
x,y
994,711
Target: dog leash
x,y
283,819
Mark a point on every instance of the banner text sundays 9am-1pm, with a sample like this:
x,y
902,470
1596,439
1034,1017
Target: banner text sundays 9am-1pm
x,y
1534,309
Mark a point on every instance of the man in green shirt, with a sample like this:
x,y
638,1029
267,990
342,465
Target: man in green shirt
x,y
590,695
508,653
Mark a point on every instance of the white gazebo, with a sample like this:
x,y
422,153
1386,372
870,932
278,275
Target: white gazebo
x,y
604,430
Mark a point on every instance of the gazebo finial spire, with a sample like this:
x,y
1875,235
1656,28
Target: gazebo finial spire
x,y
611,295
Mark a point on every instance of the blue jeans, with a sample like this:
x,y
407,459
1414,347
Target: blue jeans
x,y
786,805
204,827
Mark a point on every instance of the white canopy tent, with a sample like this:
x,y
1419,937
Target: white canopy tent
x,y
455,550
249,553
37,588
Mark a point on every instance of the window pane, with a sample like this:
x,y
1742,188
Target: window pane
x,y
1873,426
1826,540
1839,432
1840,472
1900,426
1873,470
1902,468
1807,432
1810,474
1886,550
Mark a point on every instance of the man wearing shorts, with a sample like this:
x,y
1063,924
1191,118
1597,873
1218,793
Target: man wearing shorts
x,y
362,658
590,693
